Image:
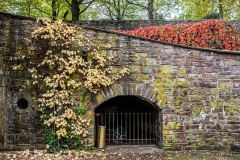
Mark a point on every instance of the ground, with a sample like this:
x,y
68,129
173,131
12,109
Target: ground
x,y
134,152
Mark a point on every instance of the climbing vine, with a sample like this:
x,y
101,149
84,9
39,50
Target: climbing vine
x,y
65,79
212,33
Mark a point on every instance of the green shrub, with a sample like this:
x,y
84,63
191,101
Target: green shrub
x,y
212,16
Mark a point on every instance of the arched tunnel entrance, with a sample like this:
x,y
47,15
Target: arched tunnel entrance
x,y
129,120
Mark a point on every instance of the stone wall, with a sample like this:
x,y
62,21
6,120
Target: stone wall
x,y
133,24
20,126
3,111
196,89
236,23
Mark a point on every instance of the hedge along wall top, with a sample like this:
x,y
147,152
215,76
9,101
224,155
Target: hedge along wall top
x,y
196,88
217,34
133,24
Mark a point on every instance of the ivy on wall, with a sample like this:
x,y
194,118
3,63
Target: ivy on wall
x,y
65,79
212,33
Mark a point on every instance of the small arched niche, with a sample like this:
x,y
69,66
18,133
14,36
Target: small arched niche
x,y
129,120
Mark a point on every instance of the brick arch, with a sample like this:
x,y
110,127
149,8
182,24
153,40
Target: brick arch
x,y
111,104
144,91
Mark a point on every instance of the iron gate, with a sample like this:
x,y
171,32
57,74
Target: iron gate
x,y
128,127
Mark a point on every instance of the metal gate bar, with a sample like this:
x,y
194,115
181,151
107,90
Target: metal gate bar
x,y
121,128
142,126
128,127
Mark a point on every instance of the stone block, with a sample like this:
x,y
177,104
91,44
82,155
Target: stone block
x,y
37,140
210,58
147,70
208,84
236,92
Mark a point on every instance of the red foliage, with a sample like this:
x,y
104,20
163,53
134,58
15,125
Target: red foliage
x,y
212,33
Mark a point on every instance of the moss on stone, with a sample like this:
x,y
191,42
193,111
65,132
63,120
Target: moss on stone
x,y
143,77
180,84
228,108
182,71
116,70
212,104
176,125
99,98
206,109
197,110
20,119
165,70
135,69
165,84
166,126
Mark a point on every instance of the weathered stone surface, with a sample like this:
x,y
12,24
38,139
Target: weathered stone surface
x,y
2,113
197,91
